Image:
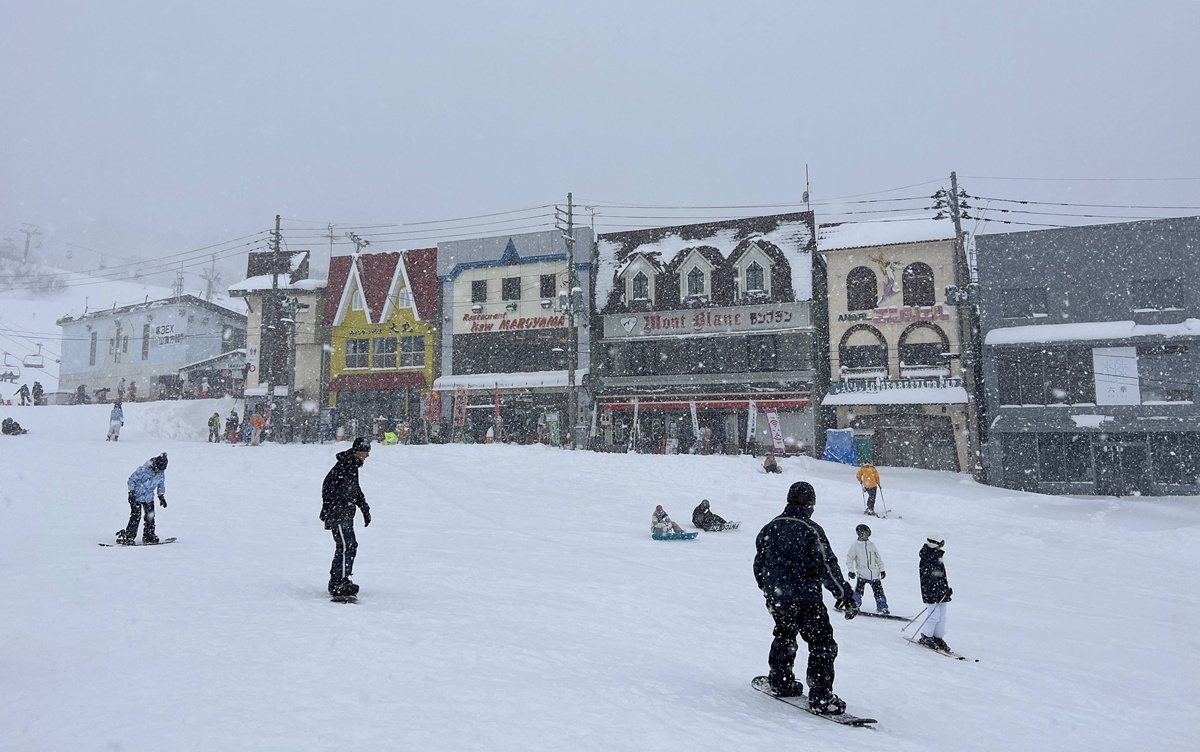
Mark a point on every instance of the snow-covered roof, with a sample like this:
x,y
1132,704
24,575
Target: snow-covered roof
x,y
263,282
792,234
531,380
233,354
843,235
1089,330
928,395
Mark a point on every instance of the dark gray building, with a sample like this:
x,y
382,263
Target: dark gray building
x,y
1091,341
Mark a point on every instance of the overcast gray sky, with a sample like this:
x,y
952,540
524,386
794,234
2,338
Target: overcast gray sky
x,y
143,129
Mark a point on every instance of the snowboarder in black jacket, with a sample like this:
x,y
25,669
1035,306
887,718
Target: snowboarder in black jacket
x,y
340,494
794,560
705,519
935,592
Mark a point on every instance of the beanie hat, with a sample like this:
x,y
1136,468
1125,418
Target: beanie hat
x,y
934,539
704,503
159,463
361,444
802,493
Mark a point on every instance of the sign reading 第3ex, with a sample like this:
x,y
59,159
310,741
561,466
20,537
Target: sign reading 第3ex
x,y
776,317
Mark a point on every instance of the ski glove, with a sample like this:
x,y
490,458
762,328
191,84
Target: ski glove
x,y
882,575
366,518
162,501
850,575
132,498
848,607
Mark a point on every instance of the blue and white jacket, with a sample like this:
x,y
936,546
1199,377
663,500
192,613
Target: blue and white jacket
x,y
144,482
117,416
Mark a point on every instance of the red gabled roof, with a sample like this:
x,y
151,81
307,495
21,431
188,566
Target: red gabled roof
x,y
376,271
421,266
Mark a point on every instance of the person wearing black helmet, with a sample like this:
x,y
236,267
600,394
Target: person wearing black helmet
x,y
793,561
148,479
864,563
340,494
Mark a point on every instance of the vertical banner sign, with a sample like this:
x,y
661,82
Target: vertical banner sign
x,y
1116,376
695,421
460,406
435,405
633,430
752,422
773,422
496,414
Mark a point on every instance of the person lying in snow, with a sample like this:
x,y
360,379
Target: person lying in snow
x,y
661,523
703,518
11,428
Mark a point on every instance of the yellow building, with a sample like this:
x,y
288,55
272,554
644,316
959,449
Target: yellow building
x,y
380,309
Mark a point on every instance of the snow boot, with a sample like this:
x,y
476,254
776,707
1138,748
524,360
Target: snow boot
x,y
828,705
123,537
941,645
149,539
930,642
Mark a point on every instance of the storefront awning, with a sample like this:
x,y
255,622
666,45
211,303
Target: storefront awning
x,y
487,381
709,403
929,395
360,382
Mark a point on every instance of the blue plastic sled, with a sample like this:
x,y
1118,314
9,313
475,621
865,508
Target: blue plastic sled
x,y
673,536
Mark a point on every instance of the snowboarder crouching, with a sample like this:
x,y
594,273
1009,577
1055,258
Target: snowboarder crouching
x,y
935,592
705,519
340,494
151,477
116,419
661,523
770,465
792,562
864,562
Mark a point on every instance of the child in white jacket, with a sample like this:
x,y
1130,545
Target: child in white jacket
x,y
864,562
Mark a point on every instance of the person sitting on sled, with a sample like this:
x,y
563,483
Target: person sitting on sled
x,y
661,523
770,465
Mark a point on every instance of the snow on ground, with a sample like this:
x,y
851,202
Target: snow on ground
x,y
512,599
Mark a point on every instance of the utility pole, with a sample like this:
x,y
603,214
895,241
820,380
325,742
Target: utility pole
x,y
270,329
212,278
31,231
967,330
568,234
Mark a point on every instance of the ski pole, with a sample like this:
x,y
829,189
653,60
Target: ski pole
x,y
928,613
882,501
863,490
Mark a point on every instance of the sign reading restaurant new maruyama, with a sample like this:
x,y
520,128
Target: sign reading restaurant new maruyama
x,y
758,318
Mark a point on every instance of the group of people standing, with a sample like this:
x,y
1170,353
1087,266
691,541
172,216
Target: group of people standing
x,y
794,561
249,432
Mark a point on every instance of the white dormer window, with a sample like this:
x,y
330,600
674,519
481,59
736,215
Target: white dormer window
x,y
695,277
356,301
753,272
639,281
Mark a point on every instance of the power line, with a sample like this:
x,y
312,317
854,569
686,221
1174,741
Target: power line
x,y
1081,180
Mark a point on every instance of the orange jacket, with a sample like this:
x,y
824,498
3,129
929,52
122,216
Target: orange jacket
x,y
868,476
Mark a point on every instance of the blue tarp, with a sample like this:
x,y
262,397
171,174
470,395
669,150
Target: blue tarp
x,y
839,446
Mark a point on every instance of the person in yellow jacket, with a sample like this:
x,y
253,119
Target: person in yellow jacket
x,y
868,477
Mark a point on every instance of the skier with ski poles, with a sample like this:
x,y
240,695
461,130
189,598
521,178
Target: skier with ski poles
x,y
868,478
935,592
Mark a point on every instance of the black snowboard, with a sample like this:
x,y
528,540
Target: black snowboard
x,y
344,599
136,543
800,701
877,615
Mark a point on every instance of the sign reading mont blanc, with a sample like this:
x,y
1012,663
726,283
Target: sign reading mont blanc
x,y
761,318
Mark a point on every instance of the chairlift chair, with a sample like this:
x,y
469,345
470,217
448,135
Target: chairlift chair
x,y
35,360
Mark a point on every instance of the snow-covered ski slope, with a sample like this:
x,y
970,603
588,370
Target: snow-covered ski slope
x,y
512,600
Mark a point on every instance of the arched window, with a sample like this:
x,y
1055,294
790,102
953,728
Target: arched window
x,y
754,277
923,349
863,353
641,286
695,282
918,284
862,289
